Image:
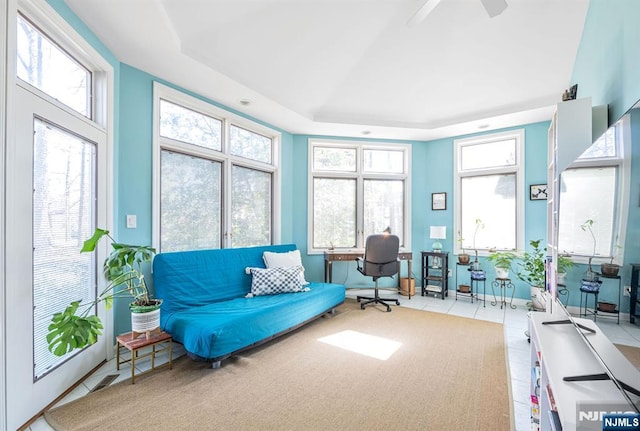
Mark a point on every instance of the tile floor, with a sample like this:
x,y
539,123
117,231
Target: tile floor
x,y
515,325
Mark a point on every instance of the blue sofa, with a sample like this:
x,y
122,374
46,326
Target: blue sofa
x,y
205,307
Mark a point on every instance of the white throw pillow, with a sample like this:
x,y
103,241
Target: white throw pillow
x,y
288,259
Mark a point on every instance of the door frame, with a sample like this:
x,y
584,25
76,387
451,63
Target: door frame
x,y
62,32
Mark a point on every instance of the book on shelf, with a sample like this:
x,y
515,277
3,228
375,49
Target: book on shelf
x,y
535,414
535,375
552,401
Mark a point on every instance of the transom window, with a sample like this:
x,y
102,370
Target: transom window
x,y
355,190
216,176
46,66
489,204
188,126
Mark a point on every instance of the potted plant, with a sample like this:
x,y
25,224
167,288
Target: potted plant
x,y
609,269
502,261
76,327
463,257
590,275
479,225
532,272
564,265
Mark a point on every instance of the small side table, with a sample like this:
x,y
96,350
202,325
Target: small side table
x,y
457,285
598,310
589,287
435,273
134,344
503,284
476,277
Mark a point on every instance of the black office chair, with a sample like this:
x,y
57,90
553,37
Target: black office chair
x,y
380,260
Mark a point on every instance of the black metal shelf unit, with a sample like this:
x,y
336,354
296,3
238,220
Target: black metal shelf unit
x,y
634,310
435,273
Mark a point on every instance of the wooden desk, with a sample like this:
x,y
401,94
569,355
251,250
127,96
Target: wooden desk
x,y
331,256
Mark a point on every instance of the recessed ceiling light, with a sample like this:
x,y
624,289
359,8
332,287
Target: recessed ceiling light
x,y
483,126
245,102
366,132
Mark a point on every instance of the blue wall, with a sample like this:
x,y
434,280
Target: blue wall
x,y
607,66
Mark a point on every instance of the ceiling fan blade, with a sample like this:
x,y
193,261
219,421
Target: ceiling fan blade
x,y
422,13
494,7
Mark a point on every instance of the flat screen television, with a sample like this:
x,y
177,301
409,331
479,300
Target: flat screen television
x,y
629,390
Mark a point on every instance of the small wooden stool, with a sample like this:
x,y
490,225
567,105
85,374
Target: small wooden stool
x,y
134,343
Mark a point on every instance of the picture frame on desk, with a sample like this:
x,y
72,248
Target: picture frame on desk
x,y
438,201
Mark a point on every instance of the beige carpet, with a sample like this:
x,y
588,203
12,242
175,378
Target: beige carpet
x,y
631,353
449,373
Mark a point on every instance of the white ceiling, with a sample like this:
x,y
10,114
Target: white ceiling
x,y
343,67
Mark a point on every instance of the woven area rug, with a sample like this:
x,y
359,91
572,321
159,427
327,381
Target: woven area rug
x,y
356,370
631,353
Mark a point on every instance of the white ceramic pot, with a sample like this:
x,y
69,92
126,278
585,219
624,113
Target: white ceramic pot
x,y
538,299
145,322
502,272
562,276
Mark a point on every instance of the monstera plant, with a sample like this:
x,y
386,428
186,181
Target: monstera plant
x,y
77,326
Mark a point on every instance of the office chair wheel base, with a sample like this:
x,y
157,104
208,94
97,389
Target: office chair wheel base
x,y
397,302
362,306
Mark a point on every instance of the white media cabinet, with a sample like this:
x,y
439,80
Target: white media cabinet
x,y
562,352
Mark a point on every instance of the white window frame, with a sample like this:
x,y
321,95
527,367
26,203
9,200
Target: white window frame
x,y
517,169
360,177
622,162
64,35
161,91
4,137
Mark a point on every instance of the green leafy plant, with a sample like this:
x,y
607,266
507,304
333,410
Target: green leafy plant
x,y
502,259
76,327
564,263
531,268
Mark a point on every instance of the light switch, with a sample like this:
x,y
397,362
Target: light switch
x,y
132,221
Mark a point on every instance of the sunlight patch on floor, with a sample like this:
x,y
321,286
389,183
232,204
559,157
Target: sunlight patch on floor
x,y
368,345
